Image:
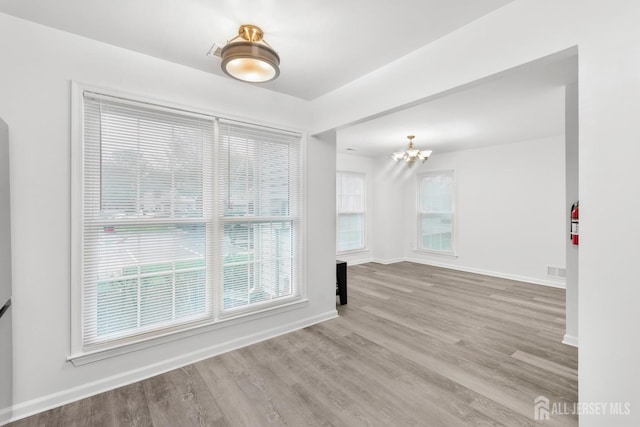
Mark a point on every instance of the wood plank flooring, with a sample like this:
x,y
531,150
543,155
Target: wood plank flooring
x,y
415,346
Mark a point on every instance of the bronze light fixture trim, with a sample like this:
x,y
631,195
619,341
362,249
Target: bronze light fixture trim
x,y
248,57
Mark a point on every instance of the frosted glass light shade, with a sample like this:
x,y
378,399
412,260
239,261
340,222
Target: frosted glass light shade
x,y
250,62
398,155
424,155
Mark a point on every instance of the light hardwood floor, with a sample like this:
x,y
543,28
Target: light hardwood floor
x,y
415,346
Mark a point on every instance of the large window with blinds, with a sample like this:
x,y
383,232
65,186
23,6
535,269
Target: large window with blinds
x,y
185,220
436,211
259,213
350,206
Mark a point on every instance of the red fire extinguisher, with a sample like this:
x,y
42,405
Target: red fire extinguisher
x,y
574,224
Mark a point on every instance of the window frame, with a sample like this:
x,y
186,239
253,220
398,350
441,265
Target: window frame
x,y
223,219
454,233
363,213
80,354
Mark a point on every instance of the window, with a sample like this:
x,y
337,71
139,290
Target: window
x,y
436,211
350,209
258,211
162,247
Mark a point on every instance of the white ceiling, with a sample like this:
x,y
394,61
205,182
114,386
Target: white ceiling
x,y
323,44
523,104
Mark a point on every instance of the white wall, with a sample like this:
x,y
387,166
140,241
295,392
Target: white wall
x,y
606,35
510,210
6,325
364,165
38,64
510,220
572,142
388,206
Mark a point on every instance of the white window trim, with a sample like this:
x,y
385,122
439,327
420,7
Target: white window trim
x,y
79,356
364,247
453,253
113,351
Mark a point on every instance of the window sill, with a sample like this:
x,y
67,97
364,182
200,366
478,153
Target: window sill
x,y
91,356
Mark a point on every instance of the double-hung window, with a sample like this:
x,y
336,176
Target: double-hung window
x,y
185,219
259,213
436,231
350,203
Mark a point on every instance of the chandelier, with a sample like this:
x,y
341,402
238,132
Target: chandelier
x,y
248,57
412,154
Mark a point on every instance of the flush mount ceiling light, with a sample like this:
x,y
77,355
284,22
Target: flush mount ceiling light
x,y
248,57
412,154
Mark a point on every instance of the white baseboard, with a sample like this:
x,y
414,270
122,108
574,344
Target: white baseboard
x,y
570,340
534,280
388,261
5,416
31,407
358,261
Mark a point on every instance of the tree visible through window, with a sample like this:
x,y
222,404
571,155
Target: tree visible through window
x,y
162,246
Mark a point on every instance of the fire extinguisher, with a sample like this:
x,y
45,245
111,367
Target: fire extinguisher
x,y
574,224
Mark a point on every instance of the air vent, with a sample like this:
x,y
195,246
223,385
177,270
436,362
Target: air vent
x,y
216,50
558,272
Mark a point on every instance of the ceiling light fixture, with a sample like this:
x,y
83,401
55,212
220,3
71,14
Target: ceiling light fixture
x,y
248,57
412,154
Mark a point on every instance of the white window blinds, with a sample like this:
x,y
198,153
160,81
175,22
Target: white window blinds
x,y
350,204
163,248
436,211
260,213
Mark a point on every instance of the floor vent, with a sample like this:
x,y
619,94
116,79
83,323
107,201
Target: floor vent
x,y
559,272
